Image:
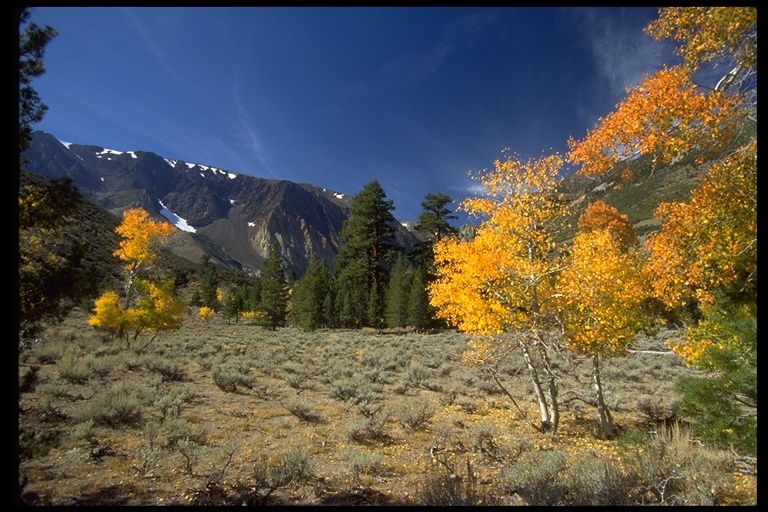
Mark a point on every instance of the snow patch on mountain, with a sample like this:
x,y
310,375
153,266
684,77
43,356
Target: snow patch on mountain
x,y
175,219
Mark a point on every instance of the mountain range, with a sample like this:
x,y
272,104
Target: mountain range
x,y
232,216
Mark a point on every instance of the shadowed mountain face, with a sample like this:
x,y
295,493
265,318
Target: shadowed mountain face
x,y
242,215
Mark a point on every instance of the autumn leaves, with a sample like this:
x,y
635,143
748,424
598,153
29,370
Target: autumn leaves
x,y
597,290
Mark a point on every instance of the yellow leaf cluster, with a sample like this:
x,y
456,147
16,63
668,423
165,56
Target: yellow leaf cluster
x,y
108,313
705,33
710,241
603,290
140,235
502,278
205,313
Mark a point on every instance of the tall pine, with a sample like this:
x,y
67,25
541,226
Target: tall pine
x,y
274,290
419,312
366,247
433,221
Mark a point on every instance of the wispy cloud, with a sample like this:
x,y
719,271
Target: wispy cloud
x,y
622,55
248,131
622,52
147,38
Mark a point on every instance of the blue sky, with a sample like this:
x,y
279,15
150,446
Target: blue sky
x,y
337,96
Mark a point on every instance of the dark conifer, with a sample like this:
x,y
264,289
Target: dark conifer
x,y
274,290
367,245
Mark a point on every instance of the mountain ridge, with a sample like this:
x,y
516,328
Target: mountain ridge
x,y
240,214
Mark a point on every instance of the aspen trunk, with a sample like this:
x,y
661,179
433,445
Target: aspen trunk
x,y
551,389
547,401
603,414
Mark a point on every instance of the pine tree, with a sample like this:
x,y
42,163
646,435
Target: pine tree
x,y
360,265
309,295
274,291
233,306
433,221
375,310
397,295
209,283
32,43
419,310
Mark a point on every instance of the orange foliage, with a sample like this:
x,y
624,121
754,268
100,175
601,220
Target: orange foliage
x,y
663,116
710,242
706,32
602,217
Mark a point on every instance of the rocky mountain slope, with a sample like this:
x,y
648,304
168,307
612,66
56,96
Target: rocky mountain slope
x,y
234,217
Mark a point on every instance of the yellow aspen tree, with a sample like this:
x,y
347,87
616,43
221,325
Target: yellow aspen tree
x,y
141,236
109,314
499,285
157,309
663,116
148,306
668,113
704,259
707,33
604,291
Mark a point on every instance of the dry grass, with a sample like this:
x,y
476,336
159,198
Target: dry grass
x,y
217,414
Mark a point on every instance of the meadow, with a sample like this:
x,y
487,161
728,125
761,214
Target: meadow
x,y
234,414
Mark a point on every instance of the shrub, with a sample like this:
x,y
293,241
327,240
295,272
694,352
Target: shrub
x,y
171,403
28,378
114,407
676,469
302,410
38,444
271,474
47,353
362,462
205,313
74,370
55,388
369,430
535,478
449,488
169,370
594,481
415,413
230,379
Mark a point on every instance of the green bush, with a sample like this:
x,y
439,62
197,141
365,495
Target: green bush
x,y
38,444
